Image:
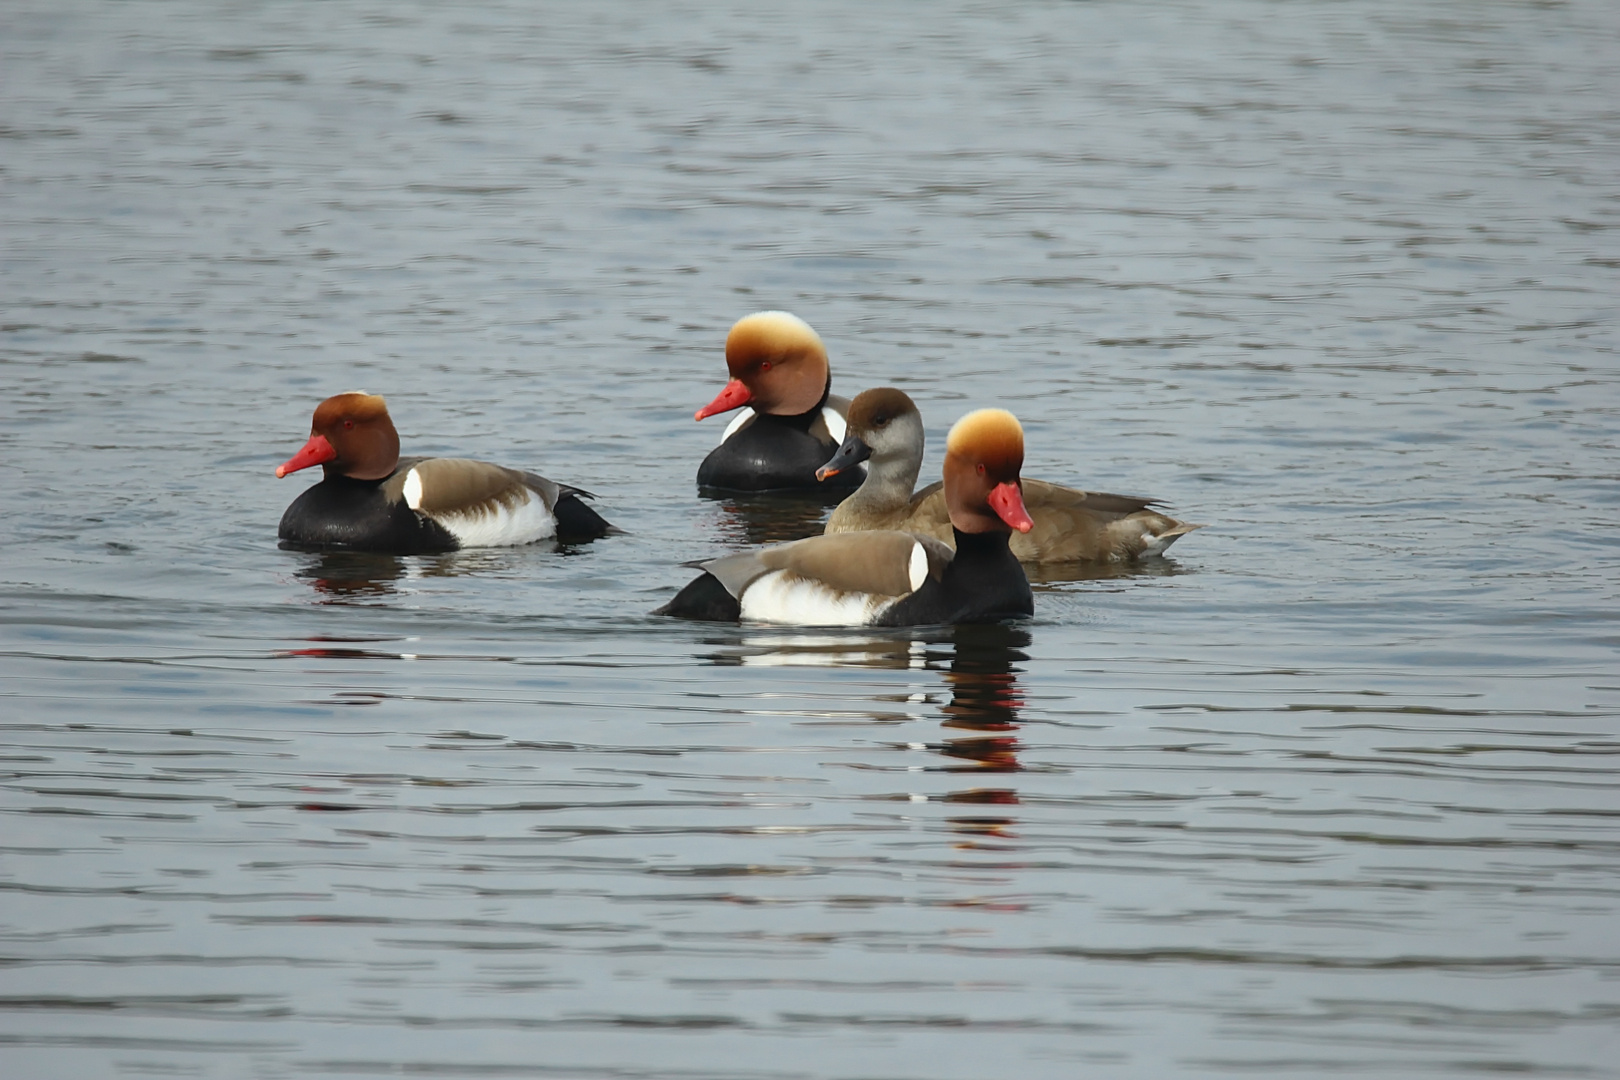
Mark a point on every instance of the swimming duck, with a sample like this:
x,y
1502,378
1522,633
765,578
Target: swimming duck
x,y
371,499
791,422
888,577
886,431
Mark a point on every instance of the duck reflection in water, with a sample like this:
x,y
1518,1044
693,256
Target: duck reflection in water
x,y
770,519
985,698
980,668
350,577
785,648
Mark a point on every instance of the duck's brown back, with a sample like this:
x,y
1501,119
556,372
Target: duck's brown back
x,y
1070,525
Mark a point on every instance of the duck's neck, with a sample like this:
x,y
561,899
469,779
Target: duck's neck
x,y
890,479
986,577
803,420
988,546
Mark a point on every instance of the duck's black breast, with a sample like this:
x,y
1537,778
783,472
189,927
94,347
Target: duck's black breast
x,y
983,583
775,453
359,515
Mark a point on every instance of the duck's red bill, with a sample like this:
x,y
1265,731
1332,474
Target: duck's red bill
x,y
734,396
1007,500
315,452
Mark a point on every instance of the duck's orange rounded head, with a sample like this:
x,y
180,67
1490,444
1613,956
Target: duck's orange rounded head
x,y
778,365
352,436
983,456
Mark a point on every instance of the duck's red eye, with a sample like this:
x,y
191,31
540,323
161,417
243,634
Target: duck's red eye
x,y
765,365
350,424
980,469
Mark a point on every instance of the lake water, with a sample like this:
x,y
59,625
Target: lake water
x,y
1331,792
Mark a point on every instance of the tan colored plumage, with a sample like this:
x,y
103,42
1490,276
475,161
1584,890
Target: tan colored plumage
x,y
1070,525
874,563
460,485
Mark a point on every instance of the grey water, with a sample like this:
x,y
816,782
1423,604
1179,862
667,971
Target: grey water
x,y
1330,791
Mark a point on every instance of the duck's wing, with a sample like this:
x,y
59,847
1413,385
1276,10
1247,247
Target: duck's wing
x,y
879,563
1072,525
460,486
1040,493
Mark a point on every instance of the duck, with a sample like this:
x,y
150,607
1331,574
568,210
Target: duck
x,y
791,421
886,432
889,577
371,499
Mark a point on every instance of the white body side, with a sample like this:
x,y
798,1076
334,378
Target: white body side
x,y
782,597
490,524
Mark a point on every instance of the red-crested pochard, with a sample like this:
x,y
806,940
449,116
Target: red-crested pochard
x,y
791,422
891,578
886,431
371,499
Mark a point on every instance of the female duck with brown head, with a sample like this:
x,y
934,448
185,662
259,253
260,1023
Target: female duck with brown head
x,y
891,578
371,499
791,421
886,431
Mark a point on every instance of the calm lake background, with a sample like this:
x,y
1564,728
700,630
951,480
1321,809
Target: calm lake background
x,y
1331,792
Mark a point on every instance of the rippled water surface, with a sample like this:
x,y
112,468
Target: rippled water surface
x,y
1331,792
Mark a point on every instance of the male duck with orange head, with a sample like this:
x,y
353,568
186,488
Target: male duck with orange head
x,y
791,421
371,499
892,578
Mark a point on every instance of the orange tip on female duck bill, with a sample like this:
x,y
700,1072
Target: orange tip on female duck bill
x,y
850,453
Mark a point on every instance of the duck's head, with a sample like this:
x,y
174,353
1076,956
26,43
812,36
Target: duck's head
x,y
778,365
352,436
884,425
983,455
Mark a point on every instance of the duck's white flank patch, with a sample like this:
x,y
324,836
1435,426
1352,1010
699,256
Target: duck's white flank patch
x,y
781,597
745,414
919,566
490,524
497,525
413,490
836,427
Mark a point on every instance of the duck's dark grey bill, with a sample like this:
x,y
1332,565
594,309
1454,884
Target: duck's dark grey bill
x,y
850,454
